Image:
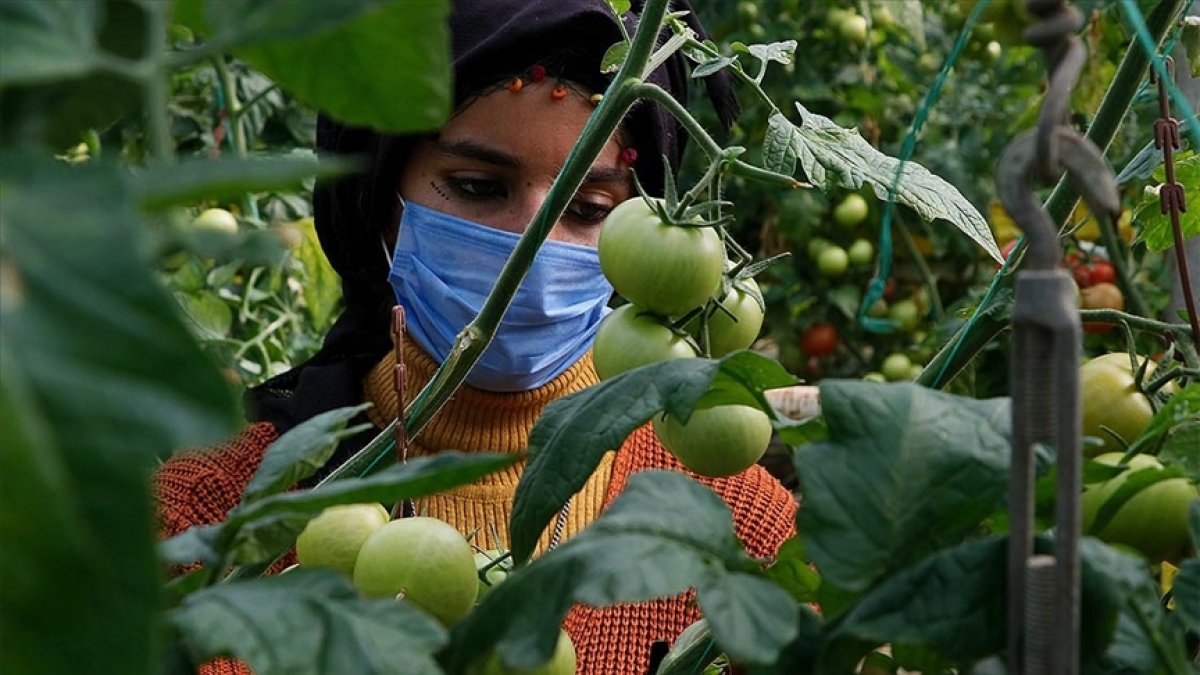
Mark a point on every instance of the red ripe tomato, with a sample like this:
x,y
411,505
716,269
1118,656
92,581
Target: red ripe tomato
x,y
819,340
1103,272
1082,275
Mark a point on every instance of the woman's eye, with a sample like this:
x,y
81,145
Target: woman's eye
x,y
589,211
476,188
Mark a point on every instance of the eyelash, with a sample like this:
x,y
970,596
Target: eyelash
x,y
483,190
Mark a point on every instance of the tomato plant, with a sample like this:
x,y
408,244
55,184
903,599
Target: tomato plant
x,y
717,441
666,269
630,337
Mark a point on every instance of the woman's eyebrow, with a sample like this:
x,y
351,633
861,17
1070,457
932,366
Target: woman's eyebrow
x,y
607,175
478,151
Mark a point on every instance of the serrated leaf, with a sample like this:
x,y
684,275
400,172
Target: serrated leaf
x,y
308,622
663,534
301,452
1157,231
191,180
906,471
830,155
573,433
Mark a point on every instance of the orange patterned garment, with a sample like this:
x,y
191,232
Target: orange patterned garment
x,y
198,488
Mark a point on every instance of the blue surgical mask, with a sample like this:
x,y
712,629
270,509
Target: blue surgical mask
x,y
442,270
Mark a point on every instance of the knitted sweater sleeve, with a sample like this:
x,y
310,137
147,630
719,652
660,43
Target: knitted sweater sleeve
x,y
200,487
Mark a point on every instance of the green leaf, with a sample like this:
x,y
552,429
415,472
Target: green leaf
x,y
1156,225
691,652
618,7
78,606
308,621
1183,407
796,433
199,543
711,66
109,366
1187,591
263,529
792,572
1179,449
906,470
339,70
573,433
800,655
322,286
235,22
209,316
745,613
952,602
663,534
191,180
1119,605
779,52
1194,523
97,335
301,452
831,155
45,40
614,57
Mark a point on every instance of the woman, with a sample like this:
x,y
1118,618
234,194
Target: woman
x,y
427,226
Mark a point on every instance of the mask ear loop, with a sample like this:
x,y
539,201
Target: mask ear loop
x,y
387,252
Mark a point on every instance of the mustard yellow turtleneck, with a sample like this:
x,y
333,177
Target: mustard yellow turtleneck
x,y
480,421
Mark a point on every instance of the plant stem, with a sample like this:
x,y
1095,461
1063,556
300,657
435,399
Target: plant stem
x,y
1117,256
973,337
155,83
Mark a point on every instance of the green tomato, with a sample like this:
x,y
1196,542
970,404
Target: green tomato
x,y
424,560
861,253
874,377
666,269
853,29
816,246
629,338
1153,521
906,314
334,538
562,662
852,211
833,262
1110,398
896,367
719,441
725,334
216,220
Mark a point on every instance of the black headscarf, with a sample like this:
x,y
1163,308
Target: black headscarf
x,y
492,40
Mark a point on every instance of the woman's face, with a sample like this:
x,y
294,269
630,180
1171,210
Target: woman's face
x,y
494,161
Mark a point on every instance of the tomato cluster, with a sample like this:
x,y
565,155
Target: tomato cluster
x,y
683,303
1098,289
